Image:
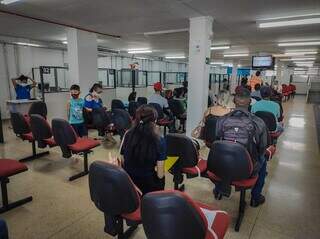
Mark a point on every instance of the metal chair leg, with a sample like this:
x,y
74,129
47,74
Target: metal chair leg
x,y
242,206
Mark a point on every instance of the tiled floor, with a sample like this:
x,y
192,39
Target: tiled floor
x,y
63,209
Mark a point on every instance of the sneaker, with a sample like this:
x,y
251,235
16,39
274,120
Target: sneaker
x,y
257,202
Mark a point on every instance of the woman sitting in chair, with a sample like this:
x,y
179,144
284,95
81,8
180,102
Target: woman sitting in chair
x,y
144,151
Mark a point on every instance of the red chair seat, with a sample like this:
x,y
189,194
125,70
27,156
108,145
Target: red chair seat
x,y
50,142
246,183
134,216
28,137
201,167
83,144
9,167
164,122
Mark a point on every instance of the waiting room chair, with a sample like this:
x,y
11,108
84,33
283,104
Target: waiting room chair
x,y
121,120
117,104
113,193
22,129
189,162
41,131
38,108
174,215
70,143
271,123
142,101
8,168
229,163
162,121
178,112
3,229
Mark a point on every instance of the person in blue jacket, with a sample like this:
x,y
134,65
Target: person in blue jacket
x,y
22,87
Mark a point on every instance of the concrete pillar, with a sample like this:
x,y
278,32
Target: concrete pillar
x,y
198,73
82,58
279,72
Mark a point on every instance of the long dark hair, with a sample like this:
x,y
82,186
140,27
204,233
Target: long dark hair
x,y
143,139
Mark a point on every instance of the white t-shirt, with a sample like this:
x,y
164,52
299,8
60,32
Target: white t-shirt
x,y
158,99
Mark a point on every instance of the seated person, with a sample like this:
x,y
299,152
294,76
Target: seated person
x,y
256,93
22,87
94,106
260,141
132,96
144,151
157,98
267,105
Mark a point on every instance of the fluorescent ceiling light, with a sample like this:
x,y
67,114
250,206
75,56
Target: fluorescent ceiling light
x,y
228,65
27,44
142,58
302,53
219,47
303,59
236,55
286,59
217,63
175,57
292,22
308,43
6,2
166,31
139,51
304,62
64,42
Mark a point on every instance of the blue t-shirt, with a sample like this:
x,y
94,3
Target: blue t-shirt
x,y
92,103
23,92
76,111
140,171
268,106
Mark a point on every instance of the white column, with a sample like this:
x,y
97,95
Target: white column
x,y
234,77
82,58
279,72
198,73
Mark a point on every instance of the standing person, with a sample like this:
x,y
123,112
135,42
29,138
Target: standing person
x,y
75,111
241,120
144,151
132,96
22,87
256,79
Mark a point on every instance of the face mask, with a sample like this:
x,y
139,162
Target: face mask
x,y
75,96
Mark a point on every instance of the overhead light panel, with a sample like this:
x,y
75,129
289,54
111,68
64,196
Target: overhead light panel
x,y
217,63
64,42
6,2
166,31
236,55
139,51
219,47
27,44
290,22
175,57
303,59
308,43
301,53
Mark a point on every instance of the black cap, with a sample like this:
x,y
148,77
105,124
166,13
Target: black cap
x,y
265,91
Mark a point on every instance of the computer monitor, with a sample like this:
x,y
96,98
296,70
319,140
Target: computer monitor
x,y
263,62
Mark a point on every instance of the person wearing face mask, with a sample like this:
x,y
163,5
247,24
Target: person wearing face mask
x,y
75,112
22,87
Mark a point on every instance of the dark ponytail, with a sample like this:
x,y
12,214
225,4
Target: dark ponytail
x,y
95,86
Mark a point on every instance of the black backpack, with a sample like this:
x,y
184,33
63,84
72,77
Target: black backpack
x,y
238,126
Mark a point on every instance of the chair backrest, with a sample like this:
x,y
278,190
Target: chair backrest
x,y
176,107
38,108
112,190
229,161
268,118
183,147
133,106
142,101
40,128
209,130
117,104
159,110
19,124
121,120
63,133
172,215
